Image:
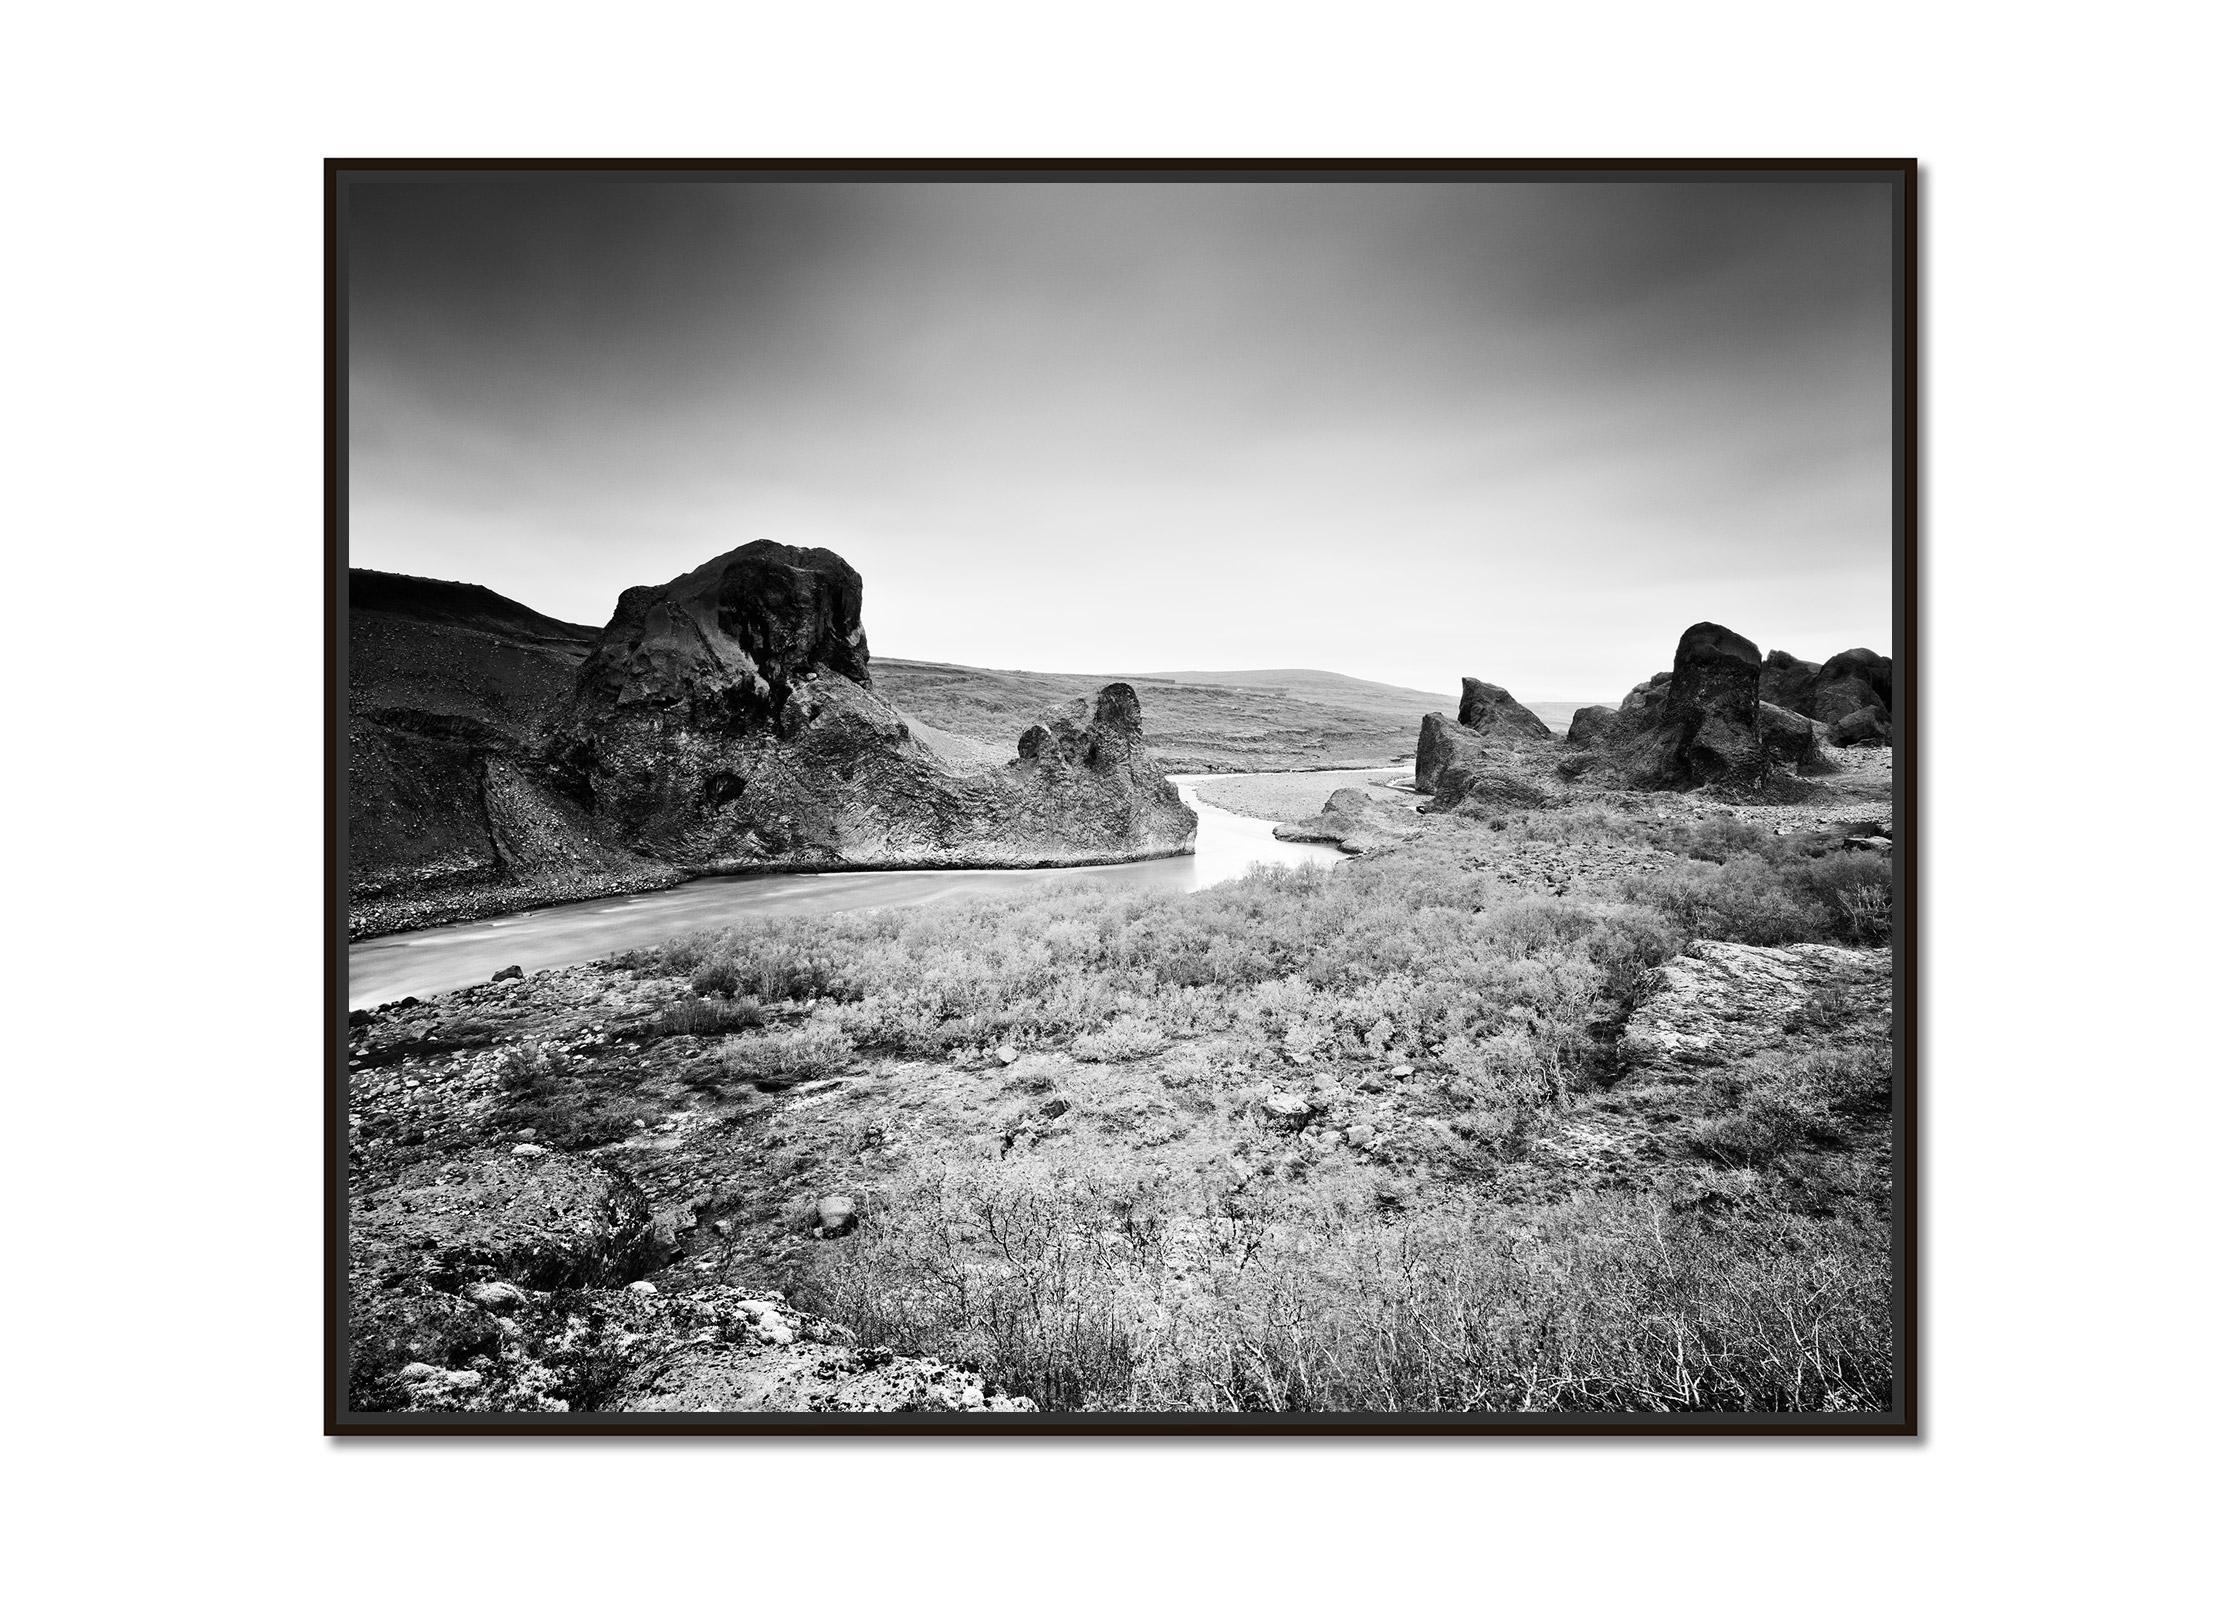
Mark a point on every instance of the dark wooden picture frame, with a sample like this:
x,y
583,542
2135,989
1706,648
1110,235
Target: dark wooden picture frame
x,y
1904,1417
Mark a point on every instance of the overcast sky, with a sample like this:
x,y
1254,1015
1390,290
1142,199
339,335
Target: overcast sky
x,y
1528,432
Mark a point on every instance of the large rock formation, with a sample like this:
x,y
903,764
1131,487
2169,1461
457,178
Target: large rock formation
x,y
1707,728
1490,710
727,720
723,721
1851,693
1490,720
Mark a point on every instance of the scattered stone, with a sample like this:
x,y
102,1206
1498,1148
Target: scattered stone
x,y
836,1214
496,1296
1287,1110
1489,709
505,973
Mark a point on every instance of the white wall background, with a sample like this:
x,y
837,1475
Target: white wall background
x,y
163,308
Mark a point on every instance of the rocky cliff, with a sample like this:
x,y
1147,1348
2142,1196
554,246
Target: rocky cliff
x,y
451,811
725,721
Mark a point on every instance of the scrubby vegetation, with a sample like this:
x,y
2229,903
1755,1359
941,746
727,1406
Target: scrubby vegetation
x,y
1089,1288
1133,1231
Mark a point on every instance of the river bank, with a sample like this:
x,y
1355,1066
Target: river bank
x,y
455,953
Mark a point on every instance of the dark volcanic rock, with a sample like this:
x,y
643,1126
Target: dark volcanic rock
x,y
1443,743
1488,709
1491,788
727,720
1639,712
1794,740
1591,725
1707,729
1857,680
1786,682
451,686
1869,725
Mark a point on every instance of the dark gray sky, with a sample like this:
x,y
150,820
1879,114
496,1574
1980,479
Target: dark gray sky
x,y
1524,431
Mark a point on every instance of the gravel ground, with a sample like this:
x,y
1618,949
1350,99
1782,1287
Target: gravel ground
x,y
1288,796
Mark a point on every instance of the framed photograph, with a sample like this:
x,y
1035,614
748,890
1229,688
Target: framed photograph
x,y
1174,797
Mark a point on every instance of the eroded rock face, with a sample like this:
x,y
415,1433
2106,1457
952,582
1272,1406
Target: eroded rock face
x,y
1490,710
728,720
1795,741
1707,730
1355,820
1851,693
1443,744
1786,682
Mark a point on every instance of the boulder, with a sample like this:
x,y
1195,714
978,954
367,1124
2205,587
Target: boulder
x,y
1719,1003
1707,729
1856,680
836,1214
1490,710
1287,1110
1786,682
1795,741
1443,743
1355,820
1591,725
1869,725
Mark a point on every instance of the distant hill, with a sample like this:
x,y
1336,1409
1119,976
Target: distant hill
x,y
1279,720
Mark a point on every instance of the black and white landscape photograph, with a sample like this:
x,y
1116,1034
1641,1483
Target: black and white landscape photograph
x,y
1087,799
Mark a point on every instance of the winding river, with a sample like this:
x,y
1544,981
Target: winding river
x,y
461,953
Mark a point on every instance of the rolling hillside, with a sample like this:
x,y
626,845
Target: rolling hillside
x,y
1276,721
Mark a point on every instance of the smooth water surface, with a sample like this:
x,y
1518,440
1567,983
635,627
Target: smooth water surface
x,y
460,953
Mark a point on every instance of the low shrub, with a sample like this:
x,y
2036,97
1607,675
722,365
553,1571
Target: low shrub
x,y
1091,1292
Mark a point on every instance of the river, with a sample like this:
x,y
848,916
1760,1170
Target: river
x,y
460,953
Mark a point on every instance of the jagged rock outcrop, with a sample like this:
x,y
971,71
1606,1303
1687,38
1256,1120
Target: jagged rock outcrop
x,y
1707,729
1492,711
1786,682
1443,744
1852,694
1491,719
727,720
1355,820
